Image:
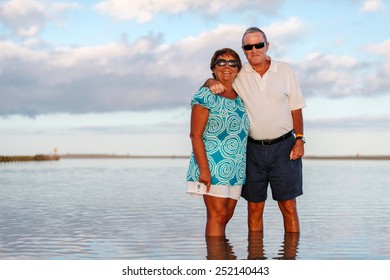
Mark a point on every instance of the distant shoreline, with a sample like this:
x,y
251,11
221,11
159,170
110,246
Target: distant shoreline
x,y
115,156
108,156
356,157
39,157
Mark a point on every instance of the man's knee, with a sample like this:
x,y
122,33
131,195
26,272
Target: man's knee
x,y
288,206
256,208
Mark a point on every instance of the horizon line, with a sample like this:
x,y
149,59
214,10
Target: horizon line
x,y
113,155
173,156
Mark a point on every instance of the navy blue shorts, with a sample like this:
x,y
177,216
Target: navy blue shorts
x,y
271,165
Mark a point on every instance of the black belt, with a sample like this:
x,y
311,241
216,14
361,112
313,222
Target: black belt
x,y
268,142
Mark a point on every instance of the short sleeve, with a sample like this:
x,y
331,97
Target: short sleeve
x,y
203,97
296,98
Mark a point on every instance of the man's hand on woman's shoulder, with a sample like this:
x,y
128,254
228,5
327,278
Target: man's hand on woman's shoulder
x,y
214,86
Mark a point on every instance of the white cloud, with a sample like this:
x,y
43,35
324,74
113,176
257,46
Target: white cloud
x,y
330,75
18,8
373,6
383,48
380,80
30,31
10,51
119,76
147,74
281,33
120,122
22,15
27,17
145,10
189,52
114,77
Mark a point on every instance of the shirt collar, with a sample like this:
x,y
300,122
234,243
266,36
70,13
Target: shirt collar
x,y
272,68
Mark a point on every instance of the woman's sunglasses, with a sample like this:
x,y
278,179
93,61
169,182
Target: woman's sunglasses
x,y
223,62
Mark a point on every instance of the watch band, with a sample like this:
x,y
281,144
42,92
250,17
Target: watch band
x,y
301,138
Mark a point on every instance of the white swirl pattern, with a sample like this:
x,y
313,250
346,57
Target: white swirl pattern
x,y
234,124
212,144
215,125
225,171
231,146
231,106
241,170
225,137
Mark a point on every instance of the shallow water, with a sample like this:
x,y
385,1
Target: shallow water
x,y
138,209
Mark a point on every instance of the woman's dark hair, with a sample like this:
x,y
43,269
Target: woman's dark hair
x,y
222,52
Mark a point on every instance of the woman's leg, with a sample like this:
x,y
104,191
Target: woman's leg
x,y
219,212
231,205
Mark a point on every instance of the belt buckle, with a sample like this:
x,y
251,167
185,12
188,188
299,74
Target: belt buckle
x,y
266,142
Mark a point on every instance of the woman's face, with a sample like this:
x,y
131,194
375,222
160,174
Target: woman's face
x,y
226,68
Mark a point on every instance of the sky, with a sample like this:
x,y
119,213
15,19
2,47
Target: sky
x,y
117,76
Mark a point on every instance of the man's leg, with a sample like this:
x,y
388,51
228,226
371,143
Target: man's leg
x,y
290,215
255,216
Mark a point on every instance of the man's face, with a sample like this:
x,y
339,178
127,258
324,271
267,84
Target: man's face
x,y
255,56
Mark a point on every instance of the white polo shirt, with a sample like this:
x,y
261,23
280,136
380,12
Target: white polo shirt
x,y
270,99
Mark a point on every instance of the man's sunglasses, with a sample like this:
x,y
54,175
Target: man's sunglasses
x,y
257,46
223,62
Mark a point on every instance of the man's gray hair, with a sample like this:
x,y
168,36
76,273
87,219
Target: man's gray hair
x,y
254,30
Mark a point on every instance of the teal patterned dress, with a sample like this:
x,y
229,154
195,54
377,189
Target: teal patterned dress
x,y
225,138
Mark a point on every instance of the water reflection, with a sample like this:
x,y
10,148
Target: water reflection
x,y
288,251
219,248
289,248
256,246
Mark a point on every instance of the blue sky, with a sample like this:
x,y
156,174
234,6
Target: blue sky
x,y
116,76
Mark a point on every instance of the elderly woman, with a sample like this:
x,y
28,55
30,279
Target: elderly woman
x,y
219,132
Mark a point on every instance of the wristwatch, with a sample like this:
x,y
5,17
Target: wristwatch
x,y
301,138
